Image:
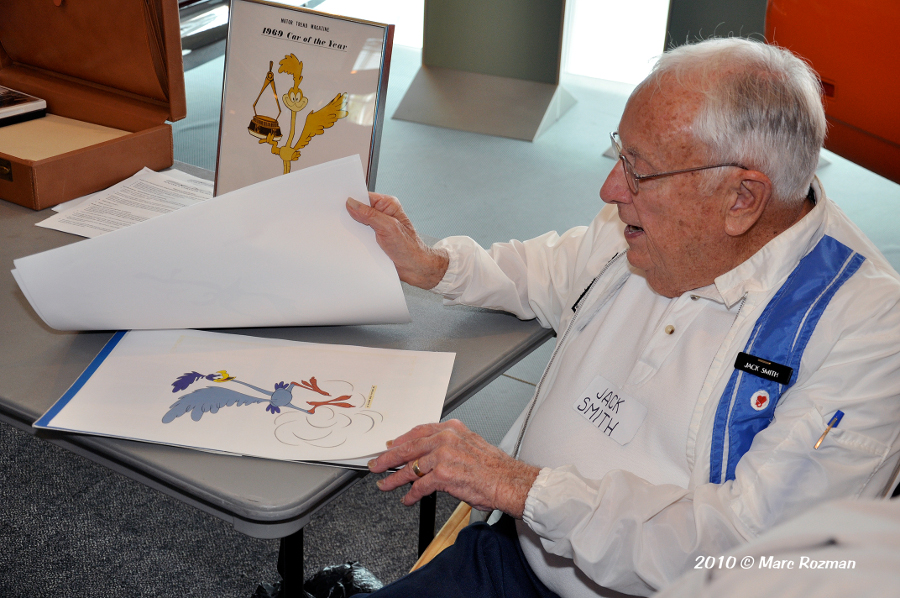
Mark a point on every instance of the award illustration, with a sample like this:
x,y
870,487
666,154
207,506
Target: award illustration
x,y
267,129
310,84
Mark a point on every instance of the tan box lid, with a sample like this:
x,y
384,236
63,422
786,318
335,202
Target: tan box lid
x,y
82,55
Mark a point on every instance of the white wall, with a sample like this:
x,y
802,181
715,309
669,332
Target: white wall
x,y
616,40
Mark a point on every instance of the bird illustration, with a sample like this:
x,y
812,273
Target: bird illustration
x,y
212,398
316,121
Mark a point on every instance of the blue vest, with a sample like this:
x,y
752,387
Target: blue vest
x,y
780,336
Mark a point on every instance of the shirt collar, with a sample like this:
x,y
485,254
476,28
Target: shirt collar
x,y
772,264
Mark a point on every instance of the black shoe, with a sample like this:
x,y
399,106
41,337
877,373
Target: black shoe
x,y
342,581
265,590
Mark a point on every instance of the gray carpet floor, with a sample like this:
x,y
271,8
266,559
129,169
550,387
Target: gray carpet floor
x,y
72,528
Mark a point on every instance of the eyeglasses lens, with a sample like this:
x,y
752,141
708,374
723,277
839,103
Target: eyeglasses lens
x,y
629,175
626,165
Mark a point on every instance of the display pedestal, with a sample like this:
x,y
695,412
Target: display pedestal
x,y
490,68
500,106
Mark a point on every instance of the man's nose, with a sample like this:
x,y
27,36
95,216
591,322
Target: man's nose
x,y
615,188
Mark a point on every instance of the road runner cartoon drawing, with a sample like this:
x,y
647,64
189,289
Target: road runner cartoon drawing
x,y
212,398
330,402
267,130
337,418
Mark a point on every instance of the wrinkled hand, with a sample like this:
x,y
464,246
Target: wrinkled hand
x,y
455,460
416,263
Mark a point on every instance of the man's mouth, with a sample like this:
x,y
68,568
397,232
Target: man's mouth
x,y
630,229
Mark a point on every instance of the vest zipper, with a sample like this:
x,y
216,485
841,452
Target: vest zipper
x,y
537,391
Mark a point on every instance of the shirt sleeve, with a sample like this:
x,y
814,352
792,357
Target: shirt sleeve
x,y
635,537
530,279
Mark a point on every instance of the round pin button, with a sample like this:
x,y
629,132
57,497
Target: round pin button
x,y
670,329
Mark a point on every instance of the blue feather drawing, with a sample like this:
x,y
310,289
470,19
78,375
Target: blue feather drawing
x,y
212,398
208,400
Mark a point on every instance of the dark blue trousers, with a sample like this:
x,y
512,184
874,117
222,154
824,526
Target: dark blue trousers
x,y
486,561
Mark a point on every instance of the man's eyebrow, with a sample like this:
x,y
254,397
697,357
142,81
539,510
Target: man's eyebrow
x,y
629,148
633,151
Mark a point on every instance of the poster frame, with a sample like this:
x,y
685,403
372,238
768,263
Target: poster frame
x,y
369,158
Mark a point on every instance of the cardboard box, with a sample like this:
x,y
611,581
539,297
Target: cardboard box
x,y
112,75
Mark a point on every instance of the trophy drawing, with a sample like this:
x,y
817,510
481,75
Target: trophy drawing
x,y
262,126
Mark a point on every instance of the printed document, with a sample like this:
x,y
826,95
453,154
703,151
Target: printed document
x,y
137,198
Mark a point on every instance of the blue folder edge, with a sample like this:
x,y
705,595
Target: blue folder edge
x,y
44,420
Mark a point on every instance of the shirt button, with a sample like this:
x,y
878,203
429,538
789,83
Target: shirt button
x,y
670,329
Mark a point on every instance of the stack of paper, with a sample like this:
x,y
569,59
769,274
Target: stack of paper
x,y
145,195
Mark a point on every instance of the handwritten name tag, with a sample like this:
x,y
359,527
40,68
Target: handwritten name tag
x,y
613,413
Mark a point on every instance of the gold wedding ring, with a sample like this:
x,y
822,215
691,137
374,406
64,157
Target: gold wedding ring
x,y
416,470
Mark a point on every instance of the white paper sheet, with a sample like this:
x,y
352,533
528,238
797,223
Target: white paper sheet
x,y
195,389
283,252
172,172
145,195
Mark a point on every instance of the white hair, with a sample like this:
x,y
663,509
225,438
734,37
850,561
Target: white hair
x,y
762,108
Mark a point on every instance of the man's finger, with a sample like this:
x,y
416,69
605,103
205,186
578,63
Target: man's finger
x,y
359,211
412,445
417,491
390,206
380,221
401,454
420,431
404,476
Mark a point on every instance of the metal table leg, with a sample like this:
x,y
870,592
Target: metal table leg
x,y
427,514
290,567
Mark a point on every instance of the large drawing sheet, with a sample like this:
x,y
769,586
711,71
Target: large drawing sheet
x,y
284,252
320,78
250,396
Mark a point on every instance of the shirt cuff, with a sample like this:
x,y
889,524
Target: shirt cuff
x,y
533,502
453,266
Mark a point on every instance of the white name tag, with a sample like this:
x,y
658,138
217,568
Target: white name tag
x,y
615,414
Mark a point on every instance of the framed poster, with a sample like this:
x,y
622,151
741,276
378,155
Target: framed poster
x,y
301,88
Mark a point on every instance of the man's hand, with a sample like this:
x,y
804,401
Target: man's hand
x,y
416,263
455,460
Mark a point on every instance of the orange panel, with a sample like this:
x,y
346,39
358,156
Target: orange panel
x,y
854,49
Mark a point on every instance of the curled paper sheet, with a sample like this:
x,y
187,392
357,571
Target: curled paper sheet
x,y
283,252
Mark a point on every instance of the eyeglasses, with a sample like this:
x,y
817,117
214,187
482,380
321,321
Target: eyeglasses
x,y
633,179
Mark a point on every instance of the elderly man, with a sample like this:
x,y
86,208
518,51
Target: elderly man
x,y
718,315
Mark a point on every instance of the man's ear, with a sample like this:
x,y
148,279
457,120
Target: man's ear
x,y
747,201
